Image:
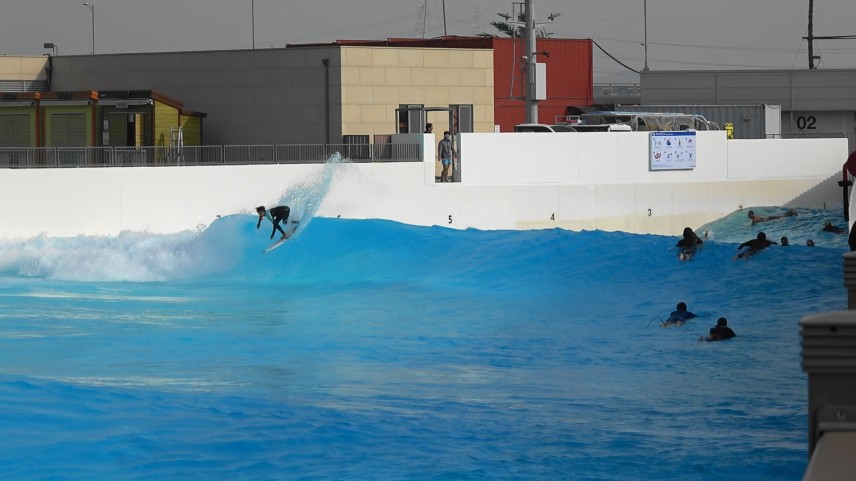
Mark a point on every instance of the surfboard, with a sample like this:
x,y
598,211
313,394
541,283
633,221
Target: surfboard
x,y
687,254
276,244
281,240
675,321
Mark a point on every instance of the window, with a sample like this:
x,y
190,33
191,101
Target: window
x,y
15,130
462,118
411,119
68,130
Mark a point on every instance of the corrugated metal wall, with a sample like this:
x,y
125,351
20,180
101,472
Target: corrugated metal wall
x,y
570,71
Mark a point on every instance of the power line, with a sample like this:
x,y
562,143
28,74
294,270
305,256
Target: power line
x,y
619,62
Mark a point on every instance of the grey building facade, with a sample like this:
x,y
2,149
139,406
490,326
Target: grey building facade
x,y
814,103
256,96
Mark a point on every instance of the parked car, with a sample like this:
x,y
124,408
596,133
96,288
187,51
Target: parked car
x,y
603,128
543,128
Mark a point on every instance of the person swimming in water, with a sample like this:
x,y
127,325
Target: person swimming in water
x,y
760,218
754,246
828,227
679,316
688,245
721,331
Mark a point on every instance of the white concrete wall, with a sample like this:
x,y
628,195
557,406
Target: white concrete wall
x,y
509,181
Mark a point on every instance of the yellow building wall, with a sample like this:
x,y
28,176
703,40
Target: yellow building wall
x,y
192,129
377,80
166,118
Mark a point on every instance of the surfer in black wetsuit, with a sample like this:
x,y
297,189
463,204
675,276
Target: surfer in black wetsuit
x,y
688,245
721,331
754,246
275,215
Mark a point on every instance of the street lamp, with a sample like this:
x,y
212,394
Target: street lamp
x,y
645,14
253,15
92,10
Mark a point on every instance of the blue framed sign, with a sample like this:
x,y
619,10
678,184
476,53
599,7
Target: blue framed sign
x,y
672,150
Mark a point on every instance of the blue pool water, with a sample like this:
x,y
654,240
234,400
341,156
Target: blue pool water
x,y
368,349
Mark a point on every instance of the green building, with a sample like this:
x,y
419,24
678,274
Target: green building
x,y
96,119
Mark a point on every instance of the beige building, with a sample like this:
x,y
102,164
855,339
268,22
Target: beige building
x,y
376,81
23,74
301,94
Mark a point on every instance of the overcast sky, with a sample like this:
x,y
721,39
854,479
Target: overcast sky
x,y
682,34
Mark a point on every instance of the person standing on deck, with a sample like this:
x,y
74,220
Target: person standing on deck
x,y
446,152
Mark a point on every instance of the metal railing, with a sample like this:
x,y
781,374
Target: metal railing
x,y
23,85
617,90
58,157
851,139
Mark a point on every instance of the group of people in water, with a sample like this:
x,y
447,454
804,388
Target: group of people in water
x,y
690,242
681,315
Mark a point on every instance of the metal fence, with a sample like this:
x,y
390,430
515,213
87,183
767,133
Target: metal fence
x,y
851,138
57,157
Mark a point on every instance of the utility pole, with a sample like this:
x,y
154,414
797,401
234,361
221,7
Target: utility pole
x,y
530,62
531,102
810,37
645,15
445,33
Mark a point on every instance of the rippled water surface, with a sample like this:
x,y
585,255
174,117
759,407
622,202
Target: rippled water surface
x,y
375,350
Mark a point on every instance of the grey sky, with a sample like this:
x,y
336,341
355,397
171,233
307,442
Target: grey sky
x,y
682,34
